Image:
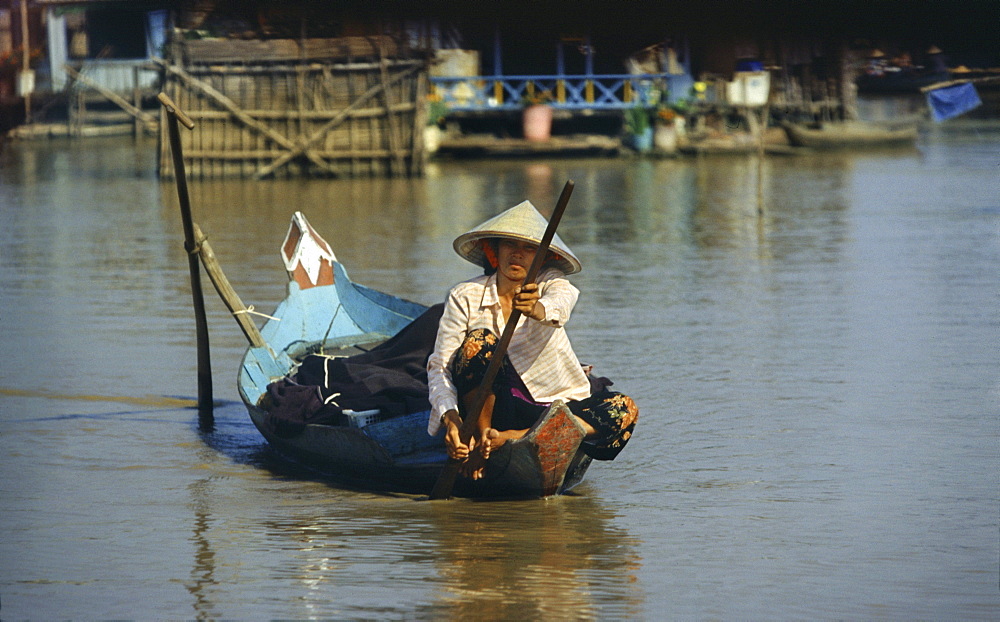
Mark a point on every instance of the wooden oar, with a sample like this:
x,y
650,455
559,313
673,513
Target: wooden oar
x,y
446,480
205,402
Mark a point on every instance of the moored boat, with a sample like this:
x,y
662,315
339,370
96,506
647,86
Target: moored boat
x,y
899,81
843,134
326,313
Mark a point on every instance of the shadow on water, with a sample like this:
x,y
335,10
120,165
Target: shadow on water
x,y
234,436
231,433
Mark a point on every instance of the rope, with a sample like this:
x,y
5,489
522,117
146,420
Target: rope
x,y
330,399
326,383
336,312
253,311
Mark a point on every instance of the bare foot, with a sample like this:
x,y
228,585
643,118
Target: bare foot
x,y
490,439
474,466
497,439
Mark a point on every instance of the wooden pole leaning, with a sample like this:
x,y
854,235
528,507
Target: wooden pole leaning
x,y
140,116
226,292
446,480
205,401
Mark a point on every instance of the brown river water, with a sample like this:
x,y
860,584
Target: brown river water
x,y
818,384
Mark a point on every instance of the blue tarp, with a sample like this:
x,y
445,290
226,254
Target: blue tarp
x,y
951,101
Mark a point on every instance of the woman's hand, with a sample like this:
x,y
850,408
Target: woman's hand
x,y
457,450
526,301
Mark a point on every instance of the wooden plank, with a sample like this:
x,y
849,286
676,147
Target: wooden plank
x,y
942,85
418,156
115,98
300,102
338,154
163,155
316,136
231,106
263,68
228,104
488,145
396,164
247,138
108,116
136,100
351,129
309,111
284,50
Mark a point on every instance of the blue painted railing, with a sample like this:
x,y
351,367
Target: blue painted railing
x,y
593,92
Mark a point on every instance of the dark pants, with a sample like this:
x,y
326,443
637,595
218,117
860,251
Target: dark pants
x,y
613,415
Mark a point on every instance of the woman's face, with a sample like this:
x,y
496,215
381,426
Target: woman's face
x,y
515,258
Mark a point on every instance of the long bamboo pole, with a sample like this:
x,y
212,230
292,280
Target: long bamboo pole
x,y
205,401
446,480
225,289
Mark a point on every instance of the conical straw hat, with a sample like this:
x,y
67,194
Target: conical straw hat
x,y
521,222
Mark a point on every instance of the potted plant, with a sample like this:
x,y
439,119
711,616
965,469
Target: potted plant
x,y
638,128
665,132
437,110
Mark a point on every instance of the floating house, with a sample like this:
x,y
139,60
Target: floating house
x,y
357,88
97,57
344,106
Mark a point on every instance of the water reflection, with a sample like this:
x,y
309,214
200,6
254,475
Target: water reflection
x,y
569,557
398,232
203,568
827,364
566,558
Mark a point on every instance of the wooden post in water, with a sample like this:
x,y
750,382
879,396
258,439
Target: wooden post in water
x,y
762,135
174,114
26,60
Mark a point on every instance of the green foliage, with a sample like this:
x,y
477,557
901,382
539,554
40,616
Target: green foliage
x,y
437,110
535,98
682,106
637,120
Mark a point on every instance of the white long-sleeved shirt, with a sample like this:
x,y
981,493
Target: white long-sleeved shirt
x,y
539,349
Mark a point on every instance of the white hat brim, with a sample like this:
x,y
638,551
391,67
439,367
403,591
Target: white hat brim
x,y
522,222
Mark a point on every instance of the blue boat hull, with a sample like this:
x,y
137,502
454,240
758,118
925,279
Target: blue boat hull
x,y
397,453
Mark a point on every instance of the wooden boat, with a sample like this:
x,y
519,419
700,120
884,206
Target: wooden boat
x,y
899,81
844,134
325,311
775,142
729,146
489,146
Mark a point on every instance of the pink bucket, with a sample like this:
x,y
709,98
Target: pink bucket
x,y
537,122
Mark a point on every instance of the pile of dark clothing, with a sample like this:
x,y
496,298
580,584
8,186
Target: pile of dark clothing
x,y
391,378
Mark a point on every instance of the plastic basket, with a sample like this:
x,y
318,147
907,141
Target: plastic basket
x,y
361,418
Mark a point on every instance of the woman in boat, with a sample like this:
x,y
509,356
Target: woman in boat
x,y
539,366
